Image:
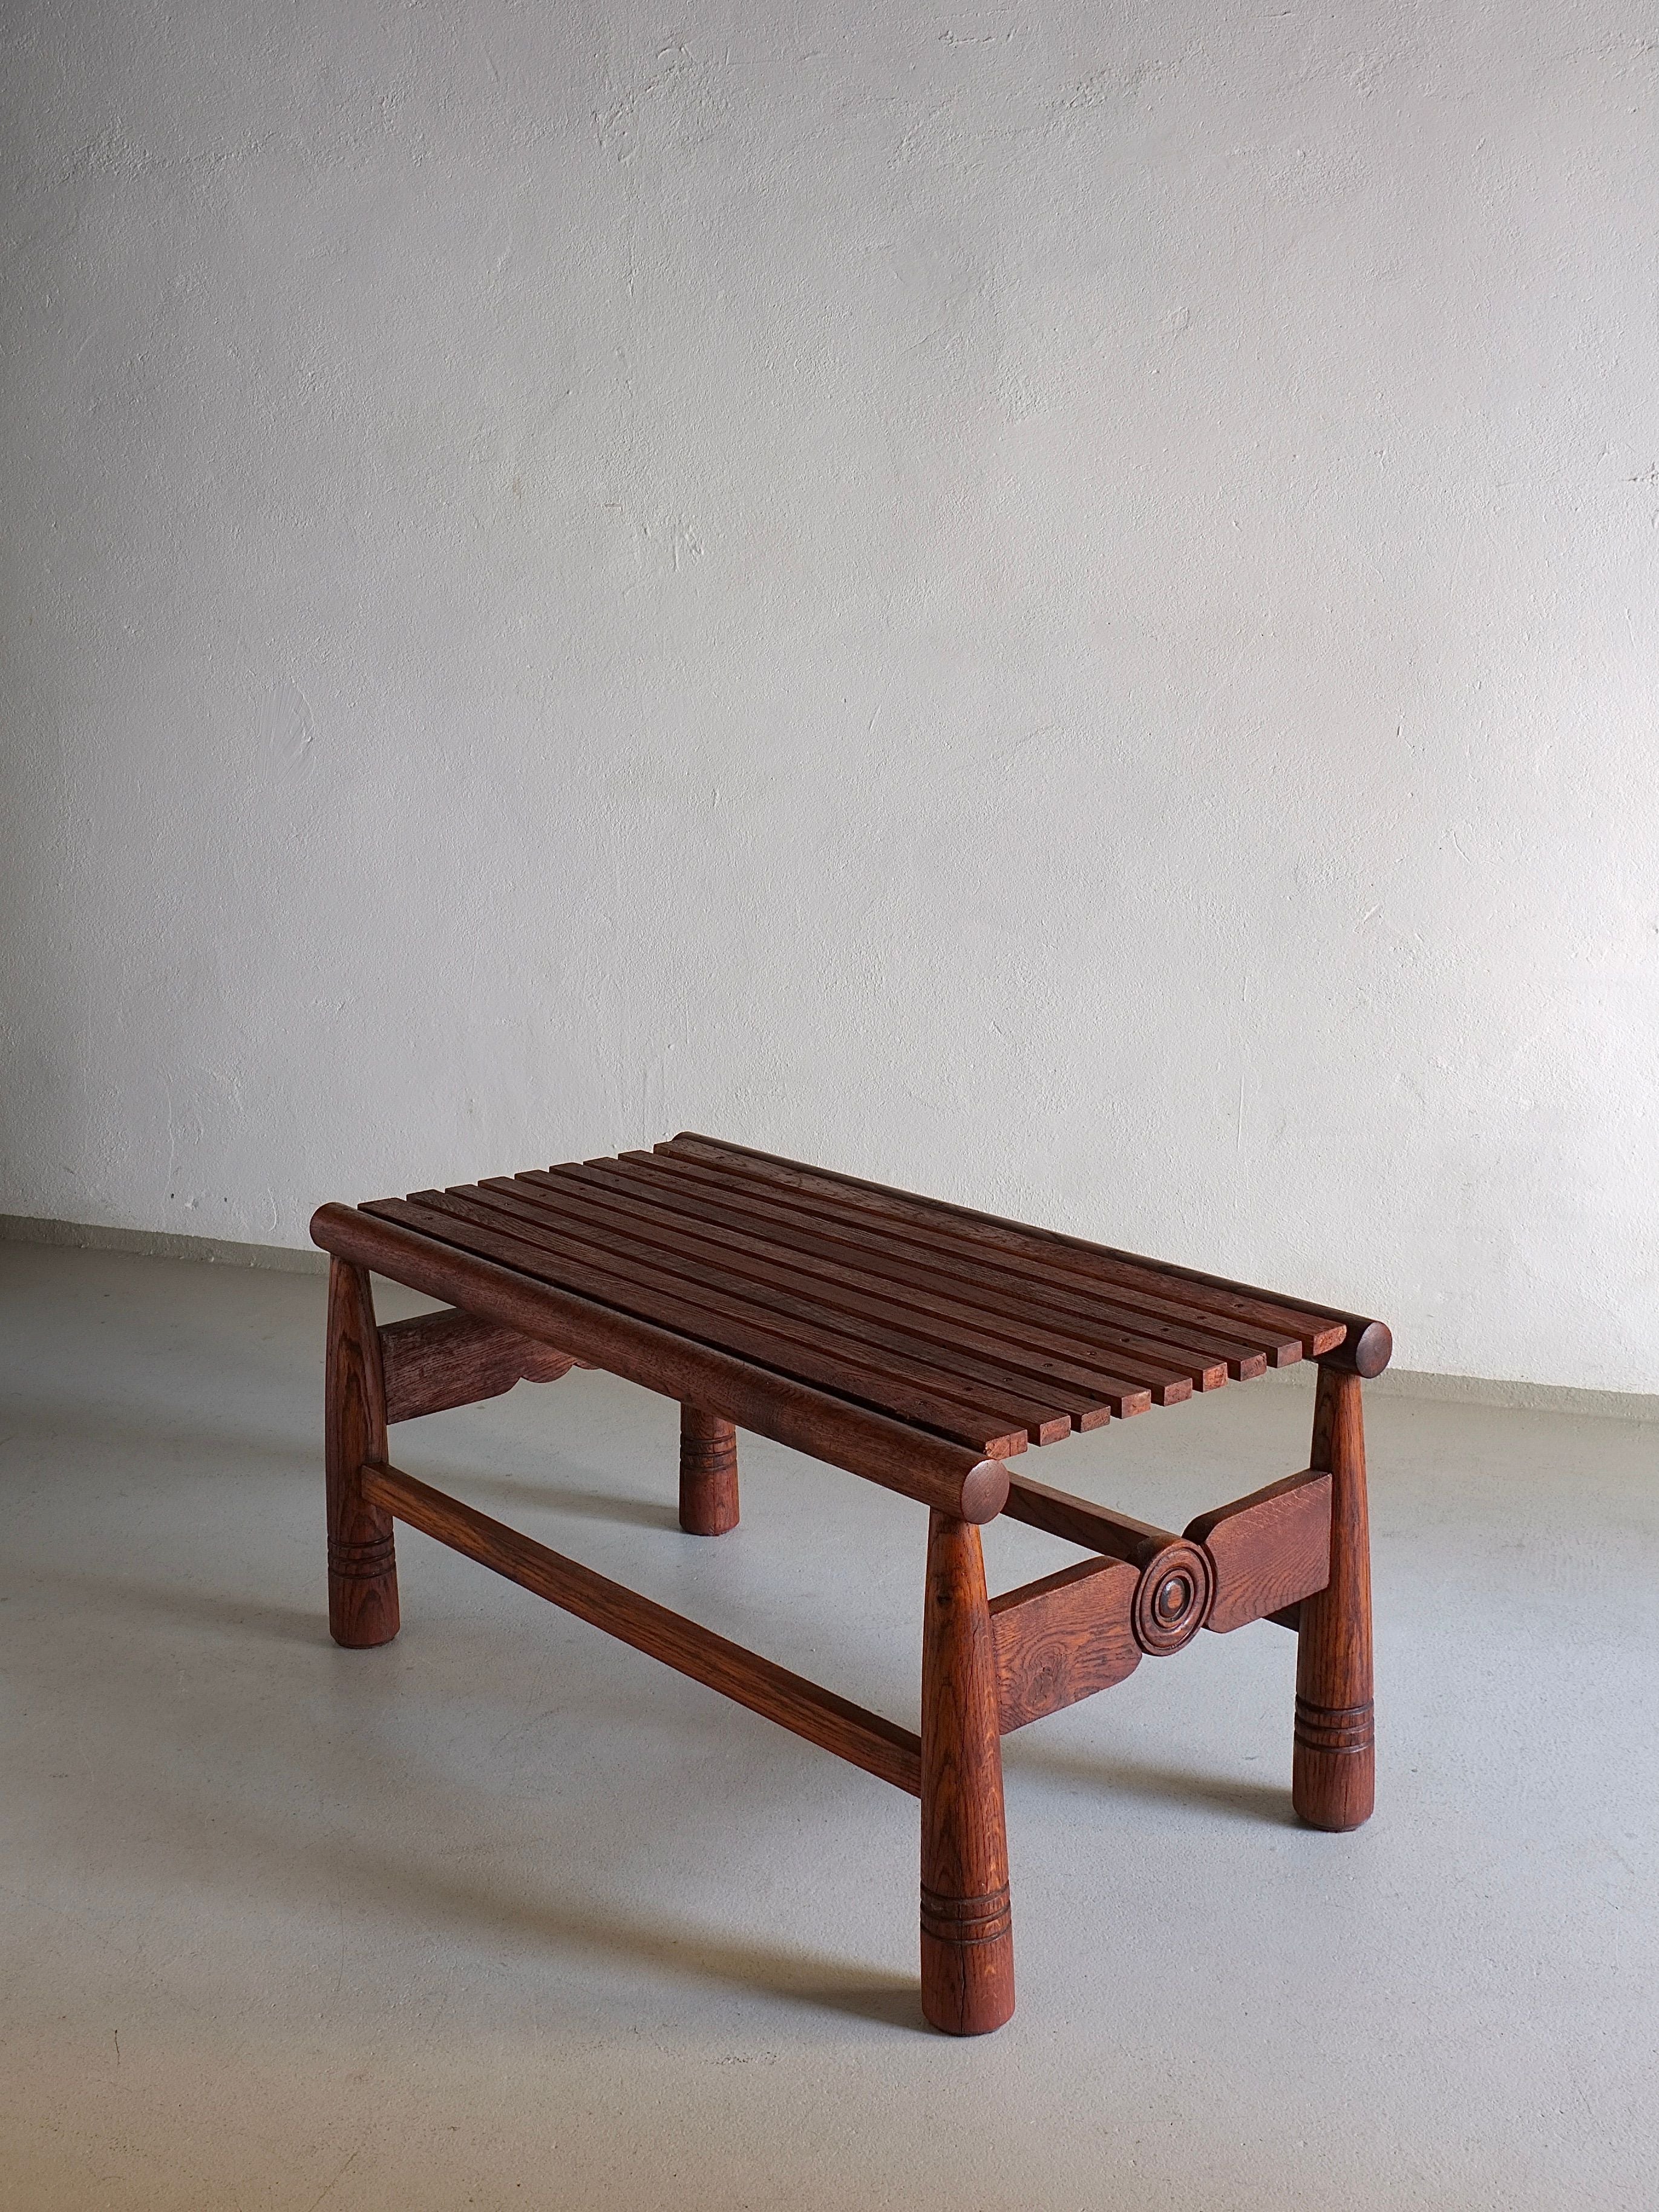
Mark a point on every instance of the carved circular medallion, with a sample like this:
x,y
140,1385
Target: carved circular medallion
x,y
1173,1597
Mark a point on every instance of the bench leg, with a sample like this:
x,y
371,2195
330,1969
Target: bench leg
x,y
1334,1781
362,1567
708,1473
967,1942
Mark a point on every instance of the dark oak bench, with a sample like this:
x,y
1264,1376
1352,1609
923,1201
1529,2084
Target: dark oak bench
x,y
923,1346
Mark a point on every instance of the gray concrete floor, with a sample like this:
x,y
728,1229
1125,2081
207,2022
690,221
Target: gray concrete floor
x,y
506,1914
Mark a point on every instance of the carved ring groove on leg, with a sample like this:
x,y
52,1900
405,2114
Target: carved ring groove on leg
x,y
363,1562
1335,1728
967,1919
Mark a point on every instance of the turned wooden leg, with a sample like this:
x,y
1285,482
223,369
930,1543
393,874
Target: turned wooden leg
x,y
362,1567
708,1473
967,1941
1334,1781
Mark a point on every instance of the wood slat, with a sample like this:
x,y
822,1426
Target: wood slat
x,y
986,1286
950,1325
671,1256
688,1318
901,1456
939,1329
1316,1326
1041,1351
993,1280
1363,1348
1157,1367
1247,1353
1184,1335
635,1263
1180,1291
880,1746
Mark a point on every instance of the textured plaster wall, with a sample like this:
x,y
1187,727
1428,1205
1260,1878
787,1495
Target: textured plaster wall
x,y
1055,603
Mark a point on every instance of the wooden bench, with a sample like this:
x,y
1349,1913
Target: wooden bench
x,y
923,1346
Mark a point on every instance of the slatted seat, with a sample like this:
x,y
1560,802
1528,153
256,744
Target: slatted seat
x,y
981,1330
917,1343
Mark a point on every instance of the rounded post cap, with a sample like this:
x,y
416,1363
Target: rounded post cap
x,y
984,1491
1370,1351
1365,1351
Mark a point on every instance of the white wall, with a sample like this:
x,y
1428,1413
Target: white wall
x,y
1057,605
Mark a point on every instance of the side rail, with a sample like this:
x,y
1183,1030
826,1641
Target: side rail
x,y
1081,1630
449,1358
945,1476
879,1746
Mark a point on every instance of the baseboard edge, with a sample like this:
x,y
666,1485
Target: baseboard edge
x,y
1396,1383
160,1244
1492,1391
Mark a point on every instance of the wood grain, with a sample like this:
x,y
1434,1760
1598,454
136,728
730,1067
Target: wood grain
x,y
708,1318
1268,1549
928,1310
667,1243
443,1359
1334,1775
865,1739
1362,1339
967,1282
708,1473
871,1349
967,1938
938,1472
996,1283
1177,1583
1080,1520
1291,1517
932,1242
1063,1639
362,1567
932,1239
